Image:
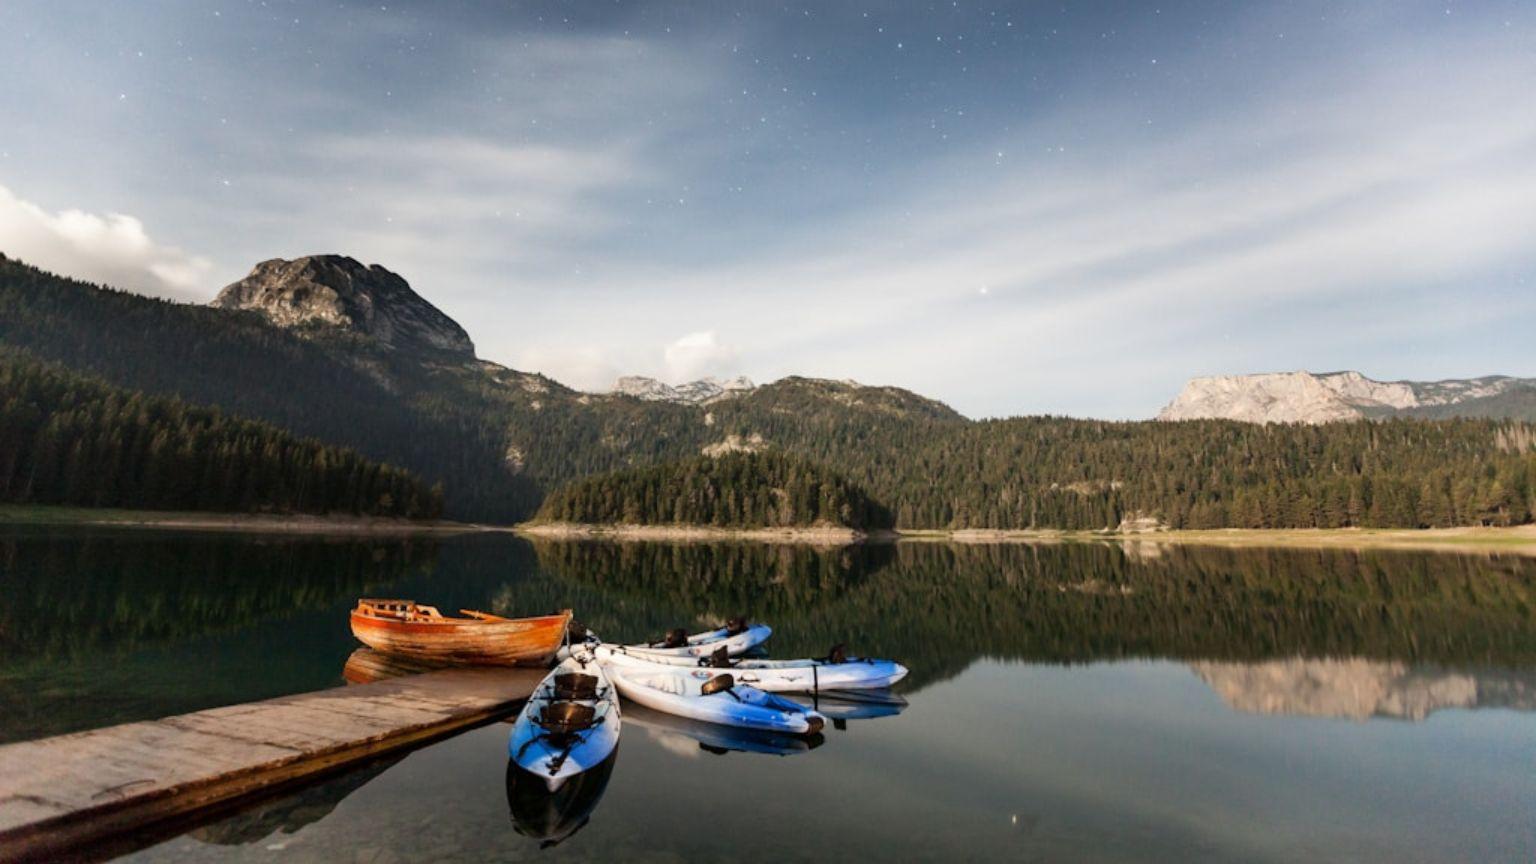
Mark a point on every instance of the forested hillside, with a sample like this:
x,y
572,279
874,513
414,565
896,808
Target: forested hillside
x,y
499,439
736,490
1059,473
69,439
340,393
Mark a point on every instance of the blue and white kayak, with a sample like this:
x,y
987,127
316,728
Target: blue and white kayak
x,y
737,639
570,723
714,697
773,676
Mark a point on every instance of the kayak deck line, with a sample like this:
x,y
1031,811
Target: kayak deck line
x,y
70,791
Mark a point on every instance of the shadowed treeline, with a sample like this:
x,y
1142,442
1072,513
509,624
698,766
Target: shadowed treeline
x,y
73,593
939,607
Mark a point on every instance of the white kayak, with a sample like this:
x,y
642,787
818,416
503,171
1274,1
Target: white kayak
x,y
714,697
737,639
774,676
570,723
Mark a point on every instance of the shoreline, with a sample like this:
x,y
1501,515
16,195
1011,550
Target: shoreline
x,y
822,536
1520,540
256,523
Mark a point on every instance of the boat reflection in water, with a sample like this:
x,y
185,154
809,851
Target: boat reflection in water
x,y
840,706
365,666
688,737
553,817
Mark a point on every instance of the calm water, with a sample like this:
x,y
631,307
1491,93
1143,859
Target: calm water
x,y
1074,702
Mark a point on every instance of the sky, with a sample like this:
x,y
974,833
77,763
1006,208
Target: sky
x,y
1017,208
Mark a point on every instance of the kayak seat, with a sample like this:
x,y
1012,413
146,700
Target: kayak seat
x,y
838,654
677,637
735,626
720,658
566,718
717,684
574,685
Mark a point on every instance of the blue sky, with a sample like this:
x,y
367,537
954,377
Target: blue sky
x,y
1017,208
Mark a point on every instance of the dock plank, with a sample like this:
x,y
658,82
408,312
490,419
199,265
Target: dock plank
x,y
63,793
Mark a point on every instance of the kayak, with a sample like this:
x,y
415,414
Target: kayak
x,y
714,697
736,637
691,737
775,676
570,723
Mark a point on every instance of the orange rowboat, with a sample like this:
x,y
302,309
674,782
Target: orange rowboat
x,y
407,629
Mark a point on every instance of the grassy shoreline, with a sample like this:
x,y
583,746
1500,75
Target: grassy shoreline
x,y
1518,540
295,523
815,536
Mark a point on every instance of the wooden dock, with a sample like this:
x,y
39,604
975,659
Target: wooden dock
x,y
61,795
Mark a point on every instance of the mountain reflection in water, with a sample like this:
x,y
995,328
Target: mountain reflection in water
x,y
1360,689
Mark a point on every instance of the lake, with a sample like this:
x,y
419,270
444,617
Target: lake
x,y
1067,702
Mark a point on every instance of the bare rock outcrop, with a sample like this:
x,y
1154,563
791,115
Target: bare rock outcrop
x,y
334,291
700,392
1306,397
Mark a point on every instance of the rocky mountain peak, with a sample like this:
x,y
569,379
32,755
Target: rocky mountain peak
x,y
700,392
337,291
1307,397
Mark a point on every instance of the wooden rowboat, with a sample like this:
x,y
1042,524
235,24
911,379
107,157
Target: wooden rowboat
x,y
408,629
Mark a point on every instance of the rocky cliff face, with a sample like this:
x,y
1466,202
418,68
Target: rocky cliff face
x,y
337,291
700,392
1305,397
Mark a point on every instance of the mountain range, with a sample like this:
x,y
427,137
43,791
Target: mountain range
x,y
328,347
339,294
700,392
1305,397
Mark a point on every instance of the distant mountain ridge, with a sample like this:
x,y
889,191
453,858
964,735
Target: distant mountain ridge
x,y
700,392
1306,397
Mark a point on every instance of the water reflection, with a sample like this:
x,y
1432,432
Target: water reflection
x,y
1360,689
940,607
289,813
840,706
553,817
74,593
365,666
1105,699
99,627
689,738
